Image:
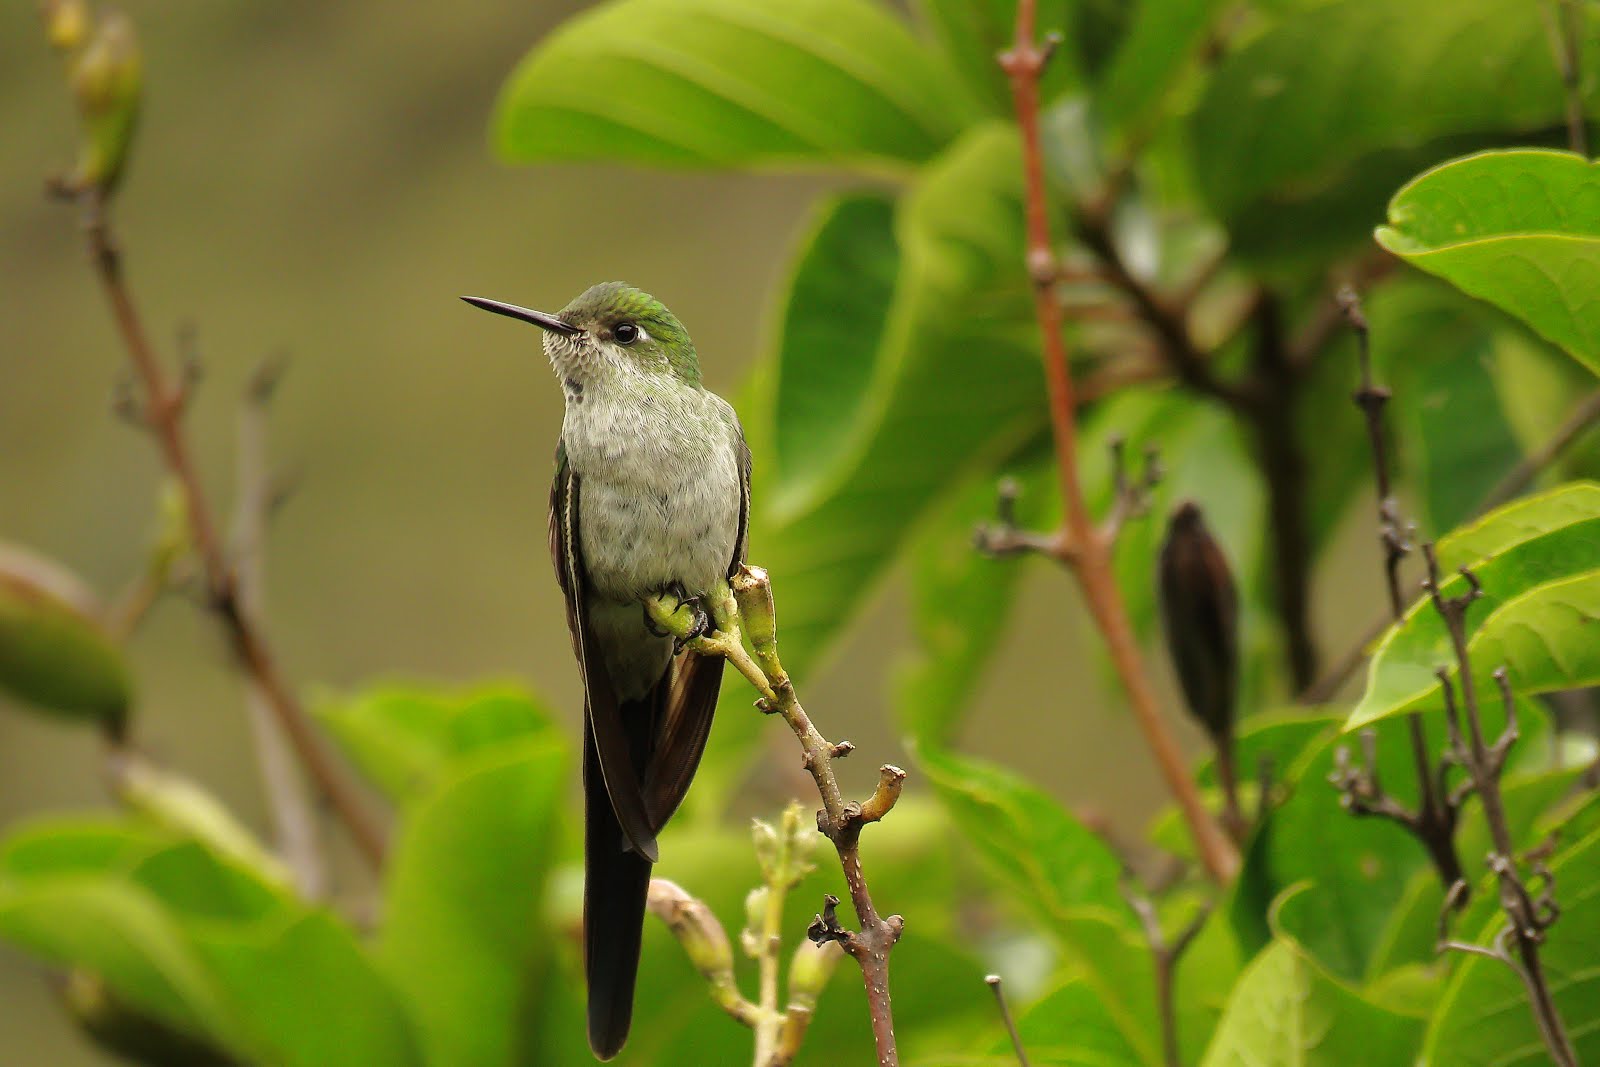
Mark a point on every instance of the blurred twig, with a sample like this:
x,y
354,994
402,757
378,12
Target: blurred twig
x,y
994,982
1079,545
294,817
161,411
1166,954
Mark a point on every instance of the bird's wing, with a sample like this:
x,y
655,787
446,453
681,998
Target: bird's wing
x,y
602,716
696,683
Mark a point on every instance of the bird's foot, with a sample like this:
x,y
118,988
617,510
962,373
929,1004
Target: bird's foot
x,y
699,623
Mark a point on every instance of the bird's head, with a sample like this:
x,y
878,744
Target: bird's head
x,y
611,328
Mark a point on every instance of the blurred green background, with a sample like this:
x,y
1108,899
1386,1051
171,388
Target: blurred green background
x,y
314,178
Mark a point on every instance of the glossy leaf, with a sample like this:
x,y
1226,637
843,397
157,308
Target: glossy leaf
x,y
1520,229
956,387
461,934
306,993
973,32
833,322
403,737
1483,1017
1302,127
1048,860
961,599
726,83
1516,522
1401,676
1285,1011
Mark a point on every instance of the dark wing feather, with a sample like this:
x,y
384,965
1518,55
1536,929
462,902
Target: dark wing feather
x,y
602,716
696,684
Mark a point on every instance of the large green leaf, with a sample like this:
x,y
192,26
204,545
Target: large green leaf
x,y
1527,552
974,32
1354,870
1484,1018
1521,520
461,934
1308,121
1434,348
955,388
306,993
404,736
833,321
1286,1011
120,932
1163,38
728,83
1072,1027
1051,864
961,599
1520,229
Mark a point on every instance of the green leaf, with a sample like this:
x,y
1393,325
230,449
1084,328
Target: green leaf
x,y
1072,1027
1434,349
1401,676
1316,119
1520,229
1161,42
121,933
1519,521
1284,1010
1049,861
53,845
305,992
833,322
726,83
1483,1016
1354,871
972,33
461,936
955,387
404,737
961,600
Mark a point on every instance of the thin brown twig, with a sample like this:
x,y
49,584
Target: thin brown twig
x,y
1528,916
1081,546
1564,22
163,406
1583,416
1433,822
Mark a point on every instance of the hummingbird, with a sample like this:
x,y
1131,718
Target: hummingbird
x,y
651,496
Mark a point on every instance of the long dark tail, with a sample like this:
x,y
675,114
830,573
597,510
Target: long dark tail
x,y
616,882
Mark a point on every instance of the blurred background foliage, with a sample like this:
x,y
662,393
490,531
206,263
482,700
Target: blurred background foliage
x,y
317,179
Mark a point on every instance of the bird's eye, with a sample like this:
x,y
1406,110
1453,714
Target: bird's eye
x,y
626,333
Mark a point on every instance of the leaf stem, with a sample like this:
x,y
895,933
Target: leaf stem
x,y
1080,546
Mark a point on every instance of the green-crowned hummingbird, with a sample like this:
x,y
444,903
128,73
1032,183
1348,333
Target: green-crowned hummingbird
x,y
651,494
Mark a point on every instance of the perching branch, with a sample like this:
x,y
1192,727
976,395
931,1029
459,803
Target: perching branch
x,y
1080,545
743,609
1529,915
1438,810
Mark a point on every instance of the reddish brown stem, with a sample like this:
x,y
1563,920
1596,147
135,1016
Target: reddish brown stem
x,y
164,402
1085,551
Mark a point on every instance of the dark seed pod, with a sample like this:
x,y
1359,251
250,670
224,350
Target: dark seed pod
x,y
1200,613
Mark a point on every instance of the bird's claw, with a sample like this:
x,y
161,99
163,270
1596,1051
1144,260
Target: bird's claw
x,y
700,622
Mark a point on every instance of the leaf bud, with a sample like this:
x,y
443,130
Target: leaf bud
x,y
66,23
1200,615
107,78
811,968
54,653
753,592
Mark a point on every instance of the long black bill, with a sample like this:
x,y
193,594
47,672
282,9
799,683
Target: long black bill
x,y
539,318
